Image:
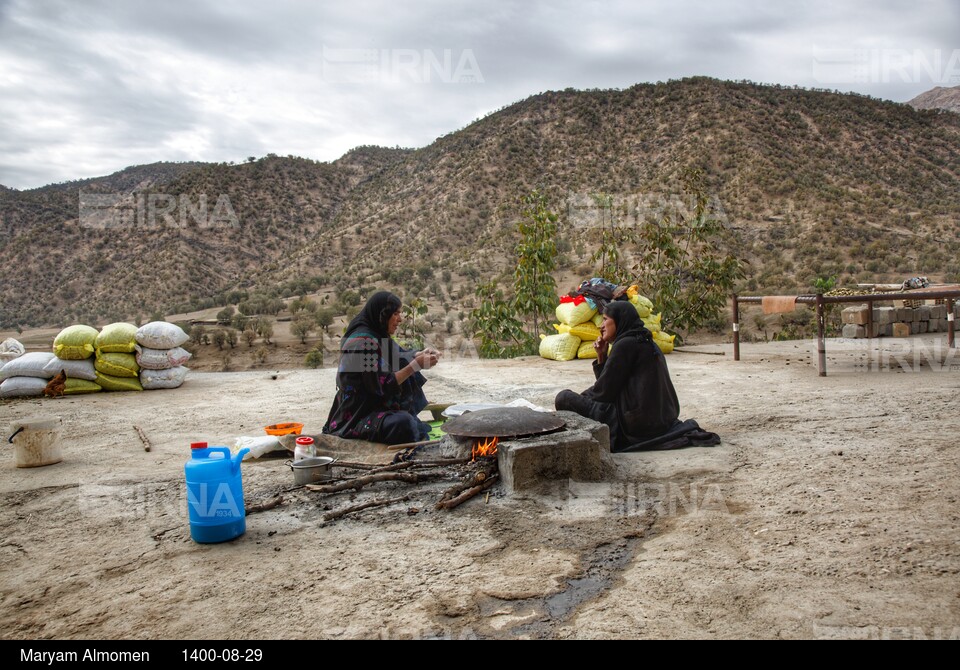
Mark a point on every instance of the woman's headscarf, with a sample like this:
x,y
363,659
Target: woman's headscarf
x,y
629,323
373,321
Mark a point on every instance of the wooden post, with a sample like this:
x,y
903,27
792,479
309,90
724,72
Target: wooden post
x,y
736,328
950,321
821,340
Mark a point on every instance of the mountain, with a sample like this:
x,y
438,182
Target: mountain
x,y
812,183
938,98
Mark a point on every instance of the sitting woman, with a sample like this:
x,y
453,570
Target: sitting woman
x,y
379,383
633,393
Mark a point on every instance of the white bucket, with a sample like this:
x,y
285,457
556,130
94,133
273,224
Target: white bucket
x,y
36,441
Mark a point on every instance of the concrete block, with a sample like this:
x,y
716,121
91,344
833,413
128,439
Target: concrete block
x,y
923,326
924,311
852,331
905,314
884,315
886,330
938,312
580,452
855,315
901,330
914,327
916,315
933,326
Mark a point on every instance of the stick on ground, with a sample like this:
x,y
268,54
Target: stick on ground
x,y
469,493
143,438
356,508
263,507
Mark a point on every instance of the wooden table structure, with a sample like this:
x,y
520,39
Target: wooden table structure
x,y
820,300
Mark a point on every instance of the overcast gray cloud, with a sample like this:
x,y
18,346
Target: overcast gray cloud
x,y
88,87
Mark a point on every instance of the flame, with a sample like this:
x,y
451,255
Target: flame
x,y
485,448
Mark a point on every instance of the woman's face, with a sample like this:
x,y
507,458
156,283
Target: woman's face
x,y
394,321
608,328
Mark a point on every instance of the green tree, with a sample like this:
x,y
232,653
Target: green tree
x,y
534,289
612,238
301,327
495,322
681,266
225,314
264,328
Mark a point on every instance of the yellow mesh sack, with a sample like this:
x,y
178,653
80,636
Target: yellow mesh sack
x,y
117,338
560,347
643,305
78,386
111,383
586,350
571,314
653,322
561,328
585,331
117,365
664,341
597,320
75,343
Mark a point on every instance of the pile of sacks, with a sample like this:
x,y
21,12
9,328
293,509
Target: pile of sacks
x,y
120,357
579,327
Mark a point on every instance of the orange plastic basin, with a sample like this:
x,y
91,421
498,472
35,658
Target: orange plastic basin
x,y
289,428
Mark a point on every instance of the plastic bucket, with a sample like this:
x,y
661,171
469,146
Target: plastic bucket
x,y
36,441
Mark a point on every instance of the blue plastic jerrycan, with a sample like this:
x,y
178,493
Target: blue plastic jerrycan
x,y
215,494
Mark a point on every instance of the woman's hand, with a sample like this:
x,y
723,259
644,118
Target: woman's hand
x,y
600,346
426,359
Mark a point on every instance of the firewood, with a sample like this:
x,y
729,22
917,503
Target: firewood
x,y
476,479
143,438
359,482
469,493
263,507
357,508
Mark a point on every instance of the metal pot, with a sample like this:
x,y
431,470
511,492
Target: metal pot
x,y
310,470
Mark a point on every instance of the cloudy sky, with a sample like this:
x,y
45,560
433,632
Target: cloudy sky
x,y
88,87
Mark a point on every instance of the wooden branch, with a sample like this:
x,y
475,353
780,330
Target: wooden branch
x,y
357,508
476,480
424,443
143,438
469,493
359,482
263,507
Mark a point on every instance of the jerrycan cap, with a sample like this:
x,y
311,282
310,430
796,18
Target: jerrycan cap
x,y
198,445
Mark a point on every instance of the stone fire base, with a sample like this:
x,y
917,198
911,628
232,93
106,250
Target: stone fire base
x,y
581,452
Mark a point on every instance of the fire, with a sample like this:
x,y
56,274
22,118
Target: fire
x,y
485,448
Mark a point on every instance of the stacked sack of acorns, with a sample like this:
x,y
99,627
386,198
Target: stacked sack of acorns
x,y
579,327
160,355
121,357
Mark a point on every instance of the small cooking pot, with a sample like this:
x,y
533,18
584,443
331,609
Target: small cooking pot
x,y
313,469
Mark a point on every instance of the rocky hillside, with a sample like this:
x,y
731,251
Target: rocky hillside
x,y
939,98
813,183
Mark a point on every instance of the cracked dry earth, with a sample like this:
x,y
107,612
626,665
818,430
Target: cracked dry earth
x,y
830,510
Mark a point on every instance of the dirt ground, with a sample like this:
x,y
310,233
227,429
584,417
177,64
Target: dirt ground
x,y
830,510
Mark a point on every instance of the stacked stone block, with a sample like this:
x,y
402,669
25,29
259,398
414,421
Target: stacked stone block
x,y
896,321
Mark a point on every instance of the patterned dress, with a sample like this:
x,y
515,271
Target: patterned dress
x,y
367,389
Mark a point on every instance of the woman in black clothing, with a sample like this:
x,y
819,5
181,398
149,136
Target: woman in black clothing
x,y
633,393
379,383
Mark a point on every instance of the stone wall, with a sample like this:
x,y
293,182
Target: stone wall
x,y
897,321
